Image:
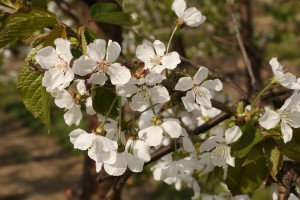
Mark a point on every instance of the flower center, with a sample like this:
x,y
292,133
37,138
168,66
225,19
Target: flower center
x,y
62,66
156,60
222,150
102,67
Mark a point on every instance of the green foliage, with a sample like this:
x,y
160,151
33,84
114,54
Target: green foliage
x,y
102,101
251,136
255,154
57,32
35,96
273,157
24,23
292,148
246,179
112,14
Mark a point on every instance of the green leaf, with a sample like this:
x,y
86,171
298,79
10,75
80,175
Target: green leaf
x,y
35,97
83,42
255,154
102,101
37,3
90,36
24,23
112,14
245,180
251,136
291,149
57,32
273,157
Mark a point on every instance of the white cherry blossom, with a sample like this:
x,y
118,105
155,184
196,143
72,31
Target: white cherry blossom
x,y
154,134
191,16
100,148
67,100
154,57
199,90
142,90
100,63
288,114
219,147
287,80
56,62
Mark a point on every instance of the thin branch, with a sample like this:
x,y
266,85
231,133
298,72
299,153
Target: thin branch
x,y
242,46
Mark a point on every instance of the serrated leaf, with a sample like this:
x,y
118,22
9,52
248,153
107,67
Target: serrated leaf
x,y
251,136
273,157
245,180
24,23
34,40
57,32
103,99
112,14
35,97
255,154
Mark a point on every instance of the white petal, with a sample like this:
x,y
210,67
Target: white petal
x,y
47,58
139,102
63,49
209,144
213,84
287,132
118,168
144,52
98,166
75,134
170,60
81,87
119,74
84,141
97,78
193,17
108,157
152,135
153,79
64,100
89,106
126,90
202,96
159,94
107,144
113,51
178,7
188,145
83,66
184,84
269,120
189,101
134,164
201,75
141,150
173,128
97,50
73,115
159,47
232,134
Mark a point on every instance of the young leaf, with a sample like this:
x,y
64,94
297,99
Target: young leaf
x,y
35,97
102,101
24,23
57,32
255,154
273,157
246,179
251,136
112,14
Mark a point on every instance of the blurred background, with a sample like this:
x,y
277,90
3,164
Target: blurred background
x,y
37,164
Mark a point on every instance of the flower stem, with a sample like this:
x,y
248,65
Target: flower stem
x,y
272,83
171,37
109,110
152,106
169,43
120,121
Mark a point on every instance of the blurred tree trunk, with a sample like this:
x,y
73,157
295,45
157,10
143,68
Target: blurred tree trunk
x,y
90,188
254,52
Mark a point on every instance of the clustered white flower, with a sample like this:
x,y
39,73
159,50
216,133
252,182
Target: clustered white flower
x,y
69,80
